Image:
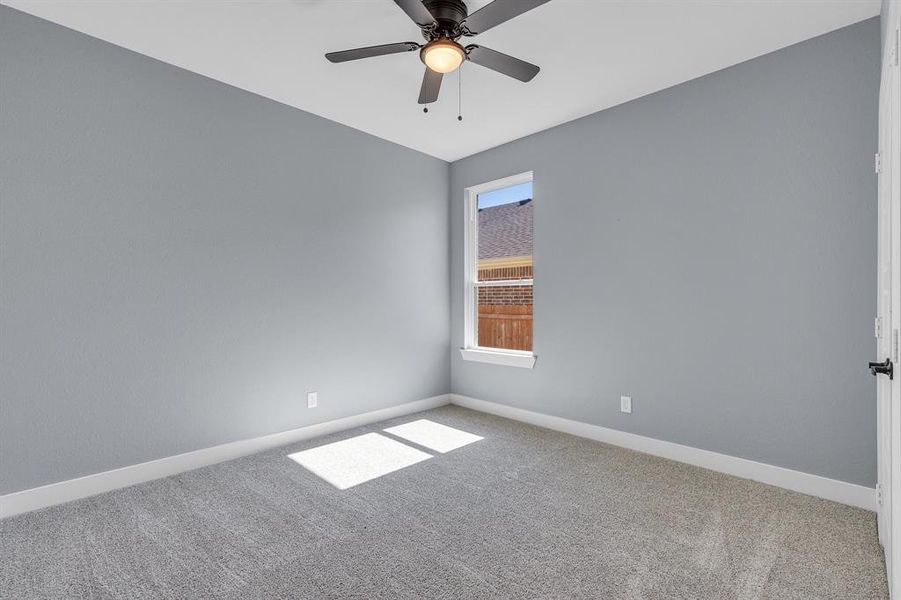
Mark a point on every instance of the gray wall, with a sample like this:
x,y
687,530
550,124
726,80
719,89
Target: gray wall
x,y
182,260
710,250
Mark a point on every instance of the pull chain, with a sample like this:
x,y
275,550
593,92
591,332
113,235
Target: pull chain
x,y
460,93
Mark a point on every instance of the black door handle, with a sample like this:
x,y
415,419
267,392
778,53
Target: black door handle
x,y
886,368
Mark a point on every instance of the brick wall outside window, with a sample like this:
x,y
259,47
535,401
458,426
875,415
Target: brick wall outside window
x,y
495,273
519,295
507,295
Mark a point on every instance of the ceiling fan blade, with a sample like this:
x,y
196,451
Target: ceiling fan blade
x,y
417,11
358,53
431,85
502,63
499,11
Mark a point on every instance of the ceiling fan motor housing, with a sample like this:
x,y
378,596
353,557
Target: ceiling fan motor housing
x,y
449,14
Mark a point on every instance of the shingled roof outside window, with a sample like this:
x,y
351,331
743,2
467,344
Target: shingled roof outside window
x,y
505,230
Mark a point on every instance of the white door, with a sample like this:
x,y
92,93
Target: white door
x,y
889,304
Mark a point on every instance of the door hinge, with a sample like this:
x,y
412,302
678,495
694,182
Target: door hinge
x,y
877,163
879,494
877,327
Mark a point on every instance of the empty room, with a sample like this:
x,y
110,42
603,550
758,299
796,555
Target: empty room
x,y
450,299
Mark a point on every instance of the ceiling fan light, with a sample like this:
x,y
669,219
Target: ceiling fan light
x,y
443,56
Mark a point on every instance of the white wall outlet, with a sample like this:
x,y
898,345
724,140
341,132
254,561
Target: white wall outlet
x,y
312,399
625,404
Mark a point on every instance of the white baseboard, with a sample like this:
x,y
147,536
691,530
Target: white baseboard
x,y
805,483
90,485
98,483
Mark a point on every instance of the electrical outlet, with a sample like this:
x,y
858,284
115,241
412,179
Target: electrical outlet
x,y
625,404
312,399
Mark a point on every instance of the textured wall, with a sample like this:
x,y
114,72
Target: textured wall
x,y
181,261
710,250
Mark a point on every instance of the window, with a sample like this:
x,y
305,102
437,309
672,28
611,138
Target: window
x,y
499,278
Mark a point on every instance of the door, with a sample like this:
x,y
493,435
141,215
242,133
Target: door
x,y
889,305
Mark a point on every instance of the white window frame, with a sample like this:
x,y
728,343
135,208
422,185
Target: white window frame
x,y
471,350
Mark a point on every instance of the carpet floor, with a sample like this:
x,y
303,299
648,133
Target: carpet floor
x,y
523,513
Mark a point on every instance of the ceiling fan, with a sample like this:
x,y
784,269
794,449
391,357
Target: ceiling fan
x,y
443,22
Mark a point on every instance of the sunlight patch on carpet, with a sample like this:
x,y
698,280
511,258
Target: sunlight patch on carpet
x,y
359,459
433,436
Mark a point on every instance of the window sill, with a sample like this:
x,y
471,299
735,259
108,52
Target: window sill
x,y
523,360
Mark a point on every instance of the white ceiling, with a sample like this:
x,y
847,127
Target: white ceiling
x,y
593,53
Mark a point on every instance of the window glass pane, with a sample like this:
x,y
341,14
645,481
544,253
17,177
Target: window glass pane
x,y
504,225
505,233
505,317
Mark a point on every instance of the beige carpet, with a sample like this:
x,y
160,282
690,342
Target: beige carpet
x,y
522,513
